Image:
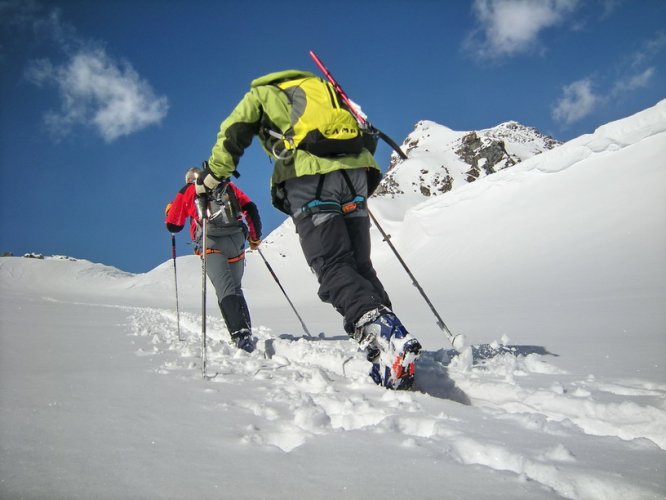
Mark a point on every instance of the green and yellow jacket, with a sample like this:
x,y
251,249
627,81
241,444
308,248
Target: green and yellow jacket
x,y
265,107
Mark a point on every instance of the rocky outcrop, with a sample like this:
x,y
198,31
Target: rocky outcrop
x,y
484,154
440,159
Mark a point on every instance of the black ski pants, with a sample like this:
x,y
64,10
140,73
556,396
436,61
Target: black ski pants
x,y
337,246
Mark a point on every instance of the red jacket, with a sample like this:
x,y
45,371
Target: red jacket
x,y
185,205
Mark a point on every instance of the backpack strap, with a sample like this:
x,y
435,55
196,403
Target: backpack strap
x,y
227,210
358,202
320,186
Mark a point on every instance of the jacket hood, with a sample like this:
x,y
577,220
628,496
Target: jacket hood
x,y
281,76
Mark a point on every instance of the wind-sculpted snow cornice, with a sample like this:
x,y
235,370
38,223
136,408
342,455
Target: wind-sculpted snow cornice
x,y
611,137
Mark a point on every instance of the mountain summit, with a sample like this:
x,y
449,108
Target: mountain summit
x,y
441,159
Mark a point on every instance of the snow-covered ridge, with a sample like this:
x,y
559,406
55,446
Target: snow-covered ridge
x,y
81,280
34,271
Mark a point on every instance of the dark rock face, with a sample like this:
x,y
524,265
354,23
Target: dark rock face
x,y
487,154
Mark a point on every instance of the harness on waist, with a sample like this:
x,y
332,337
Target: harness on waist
x,y
230,260
317,205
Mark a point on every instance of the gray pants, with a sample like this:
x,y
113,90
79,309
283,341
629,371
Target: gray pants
x,y
337,246
227,277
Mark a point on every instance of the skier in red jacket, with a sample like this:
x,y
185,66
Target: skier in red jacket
x,y
232,218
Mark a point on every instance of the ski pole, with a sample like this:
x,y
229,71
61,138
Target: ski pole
x,y
360,118
270,269
175,279
457,341
203,202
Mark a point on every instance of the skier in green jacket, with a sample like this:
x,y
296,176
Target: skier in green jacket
x,y
324,171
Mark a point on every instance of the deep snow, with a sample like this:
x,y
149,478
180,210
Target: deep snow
x,y
565,252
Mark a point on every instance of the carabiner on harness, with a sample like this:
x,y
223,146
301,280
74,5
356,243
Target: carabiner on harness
x,y
358,203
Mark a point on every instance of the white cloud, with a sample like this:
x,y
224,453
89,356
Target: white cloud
x,y
649,49
95,90
609,6
577,102
578,99
509,27
100,92
638,81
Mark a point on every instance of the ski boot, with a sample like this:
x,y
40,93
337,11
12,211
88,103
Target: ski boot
x,y
243,340
390,348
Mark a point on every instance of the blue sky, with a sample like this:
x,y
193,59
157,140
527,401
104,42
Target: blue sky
x,y
105,104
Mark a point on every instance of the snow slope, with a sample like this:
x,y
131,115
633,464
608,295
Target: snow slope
x,y
562,256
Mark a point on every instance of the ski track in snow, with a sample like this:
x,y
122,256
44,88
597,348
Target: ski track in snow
x,y
313,387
